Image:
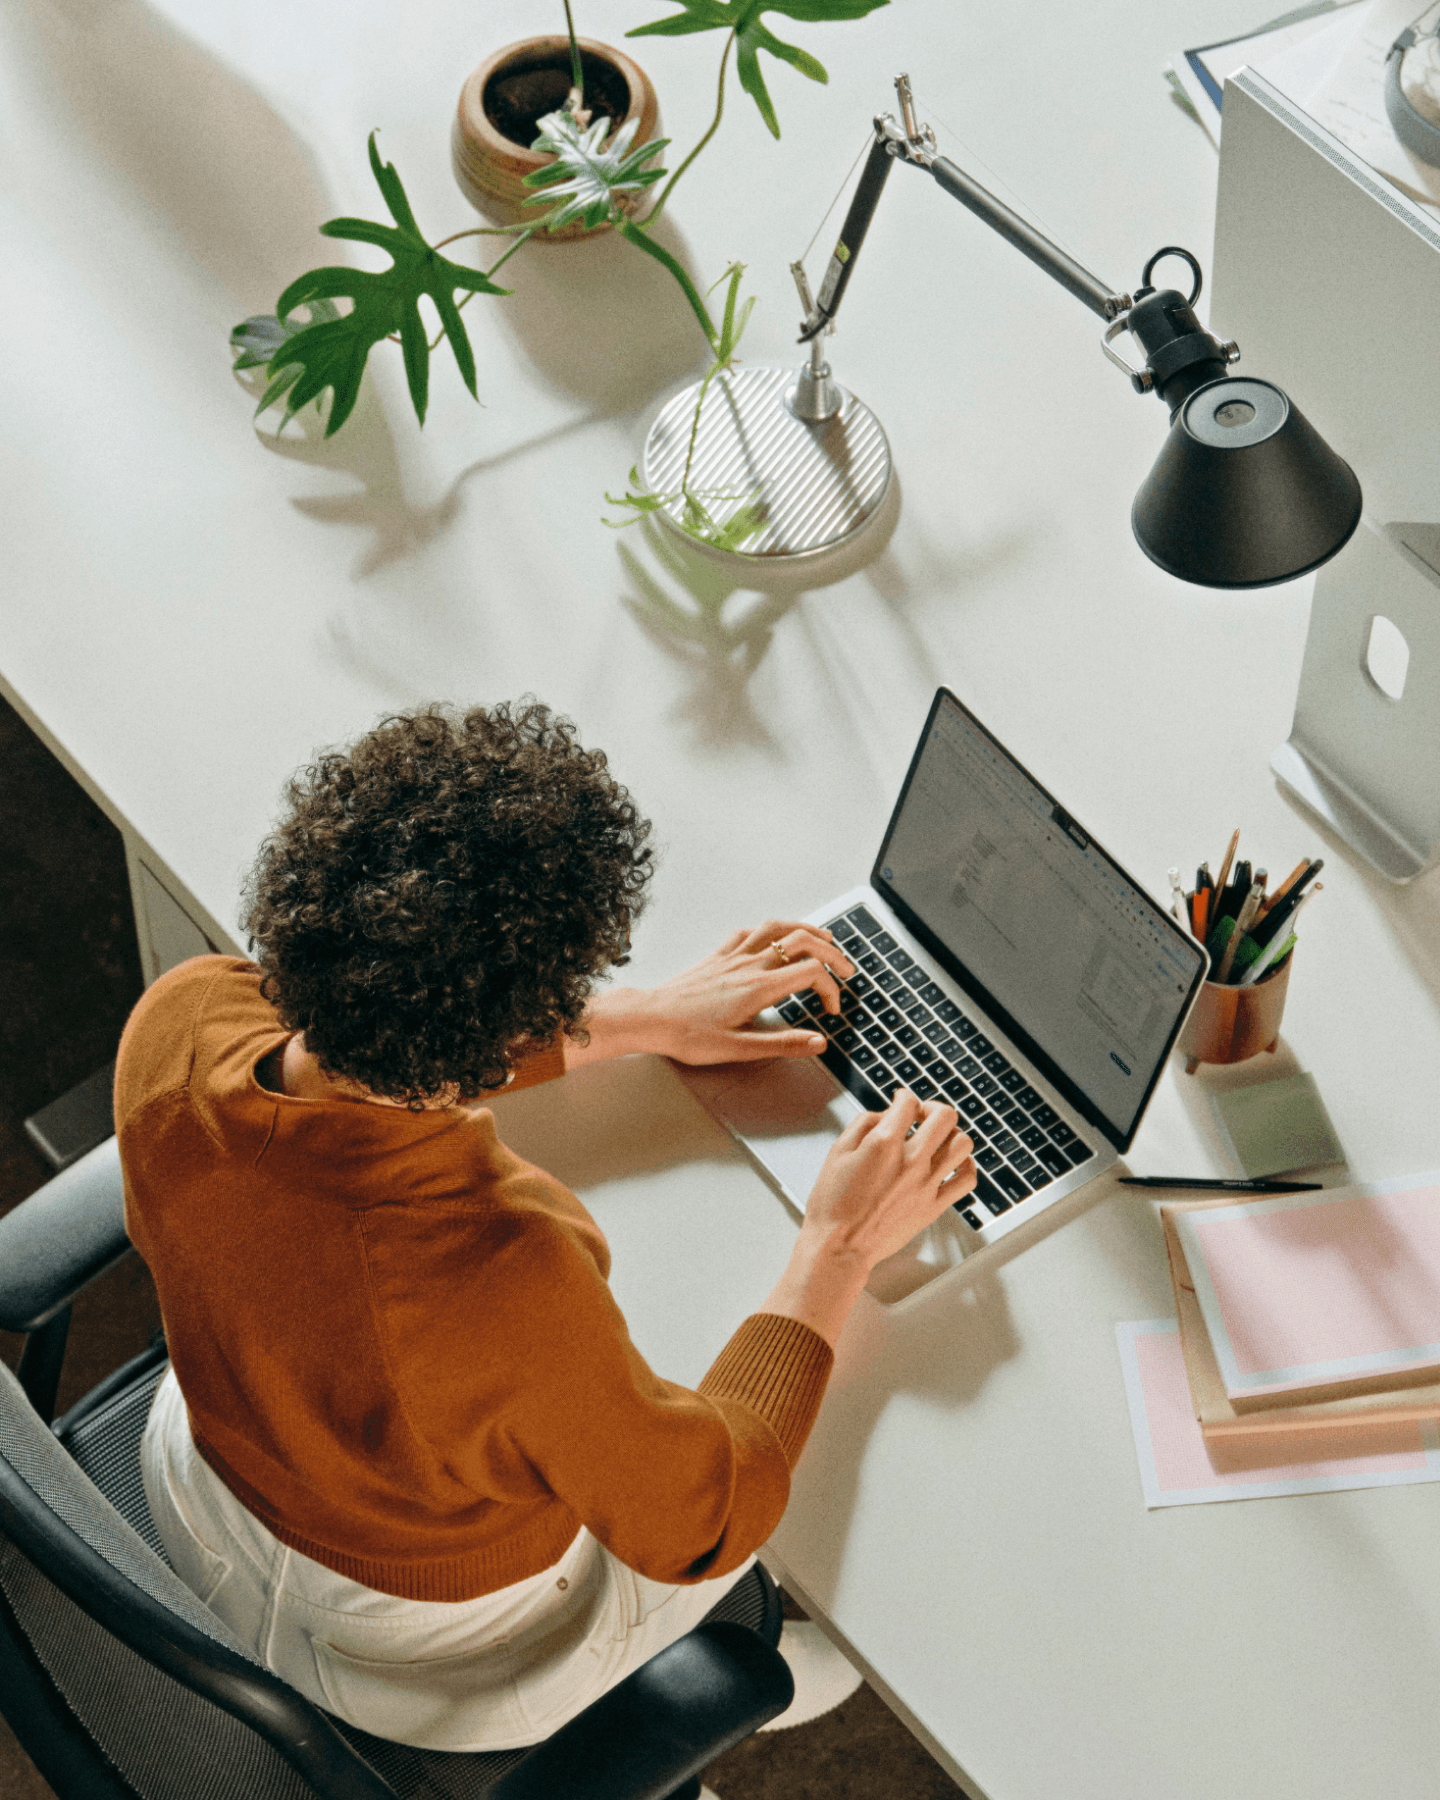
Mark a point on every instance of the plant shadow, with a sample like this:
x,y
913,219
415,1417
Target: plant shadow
x,y
680,596
601,320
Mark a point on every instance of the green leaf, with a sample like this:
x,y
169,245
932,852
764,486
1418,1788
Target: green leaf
x,y
751,36
258,339
588,176
332,350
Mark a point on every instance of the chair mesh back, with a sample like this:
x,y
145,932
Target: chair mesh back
x,y
168,1742
106,1445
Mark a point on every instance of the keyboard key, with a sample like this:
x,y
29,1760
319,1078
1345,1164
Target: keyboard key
x,y
941,1072
1033,1138
963,1026
923,1054
812,1002
918,1013
1012,1115
972,1105
939,1035
864,921
907,1071
848,1040
1023,1161
861,984
881,1078
1004,1142
988,1123
858,1017
890,1019
923,1089
1011,1080
876,1034
1014,1185
935,994
907,1035
986,1158
979,1046
1054,1159
863,1055
977,1138
791,1011
900,959
887,981
870,963
1038,1177
947,1046
1028,1097
996,1063
882,941
1078,1152
987,1191
969,1068
968,1215
891,1052
984,1084
1060,1131
1046,1116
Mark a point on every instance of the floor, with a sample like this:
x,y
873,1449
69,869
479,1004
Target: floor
x,y
69,973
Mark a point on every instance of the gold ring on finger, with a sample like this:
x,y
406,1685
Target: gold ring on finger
x,y
779,951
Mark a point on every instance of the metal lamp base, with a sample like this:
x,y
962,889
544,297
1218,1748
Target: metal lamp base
x,y
817,482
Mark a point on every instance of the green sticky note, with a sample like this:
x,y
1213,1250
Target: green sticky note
x,y
1275,1126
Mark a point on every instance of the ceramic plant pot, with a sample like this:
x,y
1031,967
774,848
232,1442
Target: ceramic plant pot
x,y
516,86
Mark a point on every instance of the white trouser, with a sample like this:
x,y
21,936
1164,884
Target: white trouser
x,y
494,1673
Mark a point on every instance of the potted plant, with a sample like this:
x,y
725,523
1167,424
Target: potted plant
x,y
587,176
504,101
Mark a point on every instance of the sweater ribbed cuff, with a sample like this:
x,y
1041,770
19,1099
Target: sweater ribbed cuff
x,y
778,1368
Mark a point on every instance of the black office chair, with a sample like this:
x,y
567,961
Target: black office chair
x,y
120,1684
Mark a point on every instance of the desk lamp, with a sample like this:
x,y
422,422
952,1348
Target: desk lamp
x,y
1245,492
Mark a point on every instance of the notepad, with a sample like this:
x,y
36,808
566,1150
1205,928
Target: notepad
x,y
1278,1125
1307,1295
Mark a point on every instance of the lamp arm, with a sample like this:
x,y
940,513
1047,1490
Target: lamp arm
x,y
1087,288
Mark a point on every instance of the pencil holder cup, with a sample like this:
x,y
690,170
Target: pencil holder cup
x,y
1229,1024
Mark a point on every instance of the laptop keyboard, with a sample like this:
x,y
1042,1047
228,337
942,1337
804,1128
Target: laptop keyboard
x,y
898,1027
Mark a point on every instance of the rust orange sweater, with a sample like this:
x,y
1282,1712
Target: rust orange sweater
x,y
395,1338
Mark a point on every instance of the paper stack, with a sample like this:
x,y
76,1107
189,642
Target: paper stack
x,y
1310,1323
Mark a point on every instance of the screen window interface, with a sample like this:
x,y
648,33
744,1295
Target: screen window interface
x,y
1044,922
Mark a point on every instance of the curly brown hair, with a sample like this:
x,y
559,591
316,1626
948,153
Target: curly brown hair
x,y
442,896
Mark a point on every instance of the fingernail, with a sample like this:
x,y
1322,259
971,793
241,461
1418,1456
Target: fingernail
x,y
815,1043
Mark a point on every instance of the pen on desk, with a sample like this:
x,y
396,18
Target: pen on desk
x,y
1229,903
1243,921
1223,1184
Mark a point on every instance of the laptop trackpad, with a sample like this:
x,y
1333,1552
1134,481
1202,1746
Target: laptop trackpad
x,y
787,1112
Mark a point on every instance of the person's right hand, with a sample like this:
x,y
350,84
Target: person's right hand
x,y
887,1176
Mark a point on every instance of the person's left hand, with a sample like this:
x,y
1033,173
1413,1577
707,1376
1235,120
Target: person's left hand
x,y
706,1014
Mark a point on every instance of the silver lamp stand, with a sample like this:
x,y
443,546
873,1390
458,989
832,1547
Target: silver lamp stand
x,y
814,457
1361,755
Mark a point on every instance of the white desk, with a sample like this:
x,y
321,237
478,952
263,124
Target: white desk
x,y
188,613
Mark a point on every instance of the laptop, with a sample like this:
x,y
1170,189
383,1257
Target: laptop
x,y
1005,963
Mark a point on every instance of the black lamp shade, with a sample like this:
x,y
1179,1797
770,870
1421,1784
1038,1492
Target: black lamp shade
x,y
1245,491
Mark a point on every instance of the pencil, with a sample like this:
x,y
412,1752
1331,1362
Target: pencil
x,y
1224,875
1286,885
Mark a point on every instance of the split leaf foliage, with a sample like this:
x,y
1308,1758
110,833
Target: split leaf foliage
x,y
752,36
588,177
331,351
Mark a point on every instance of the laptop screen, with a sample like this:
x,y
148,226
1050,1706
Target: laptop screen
x,y
1074,960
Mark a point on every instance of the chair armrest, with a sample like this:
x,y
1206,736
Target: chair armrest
x,y
56,1242
661,1725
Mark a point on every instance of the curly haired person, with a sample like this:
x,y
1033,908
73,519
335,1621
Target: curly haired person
x,y
406,1449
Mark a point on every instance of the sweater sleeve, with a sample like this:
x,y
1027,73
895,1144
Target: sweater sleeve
x,y
678,1485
